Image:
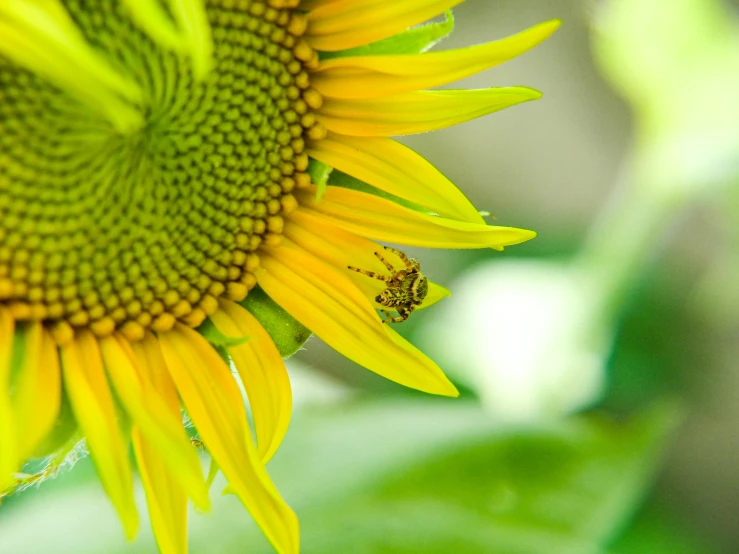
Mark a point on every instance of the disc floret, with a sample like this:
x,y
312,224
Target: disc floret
x,y
133,230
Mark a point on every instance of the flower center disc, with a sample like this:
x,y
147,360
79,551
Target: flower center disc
x,y
133,230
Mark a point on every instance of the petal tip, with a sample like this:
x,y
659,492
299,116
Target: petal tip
x,y
533,94
447,389
550,27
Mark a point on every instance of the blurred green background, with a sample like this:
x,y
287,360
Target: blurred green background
x,y
597,364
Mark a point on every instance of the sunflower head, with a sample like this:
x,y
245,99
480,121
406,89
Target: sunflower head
x,y
135,215
161,158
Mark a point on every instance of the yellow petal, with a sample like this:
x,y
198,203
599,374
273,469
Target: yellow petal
x,y
262,372
9,458
373,217
374,76
153,417
38,389
328,302
417,112
214,403
436,294
341,249
348,23
395,169
93,407
154,370
165,497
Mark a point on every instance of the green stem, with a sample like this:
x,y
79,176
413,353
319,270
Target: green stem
x,y
622,241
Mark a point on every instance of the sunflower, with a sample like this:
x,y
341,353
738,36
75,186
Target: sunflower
x,y
159,159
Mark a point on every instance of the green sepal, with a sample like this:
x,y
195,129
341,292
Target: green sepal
x,y
65,429
223,353
213,470
286,332
340,179
16,357
412,41
218,339
319,174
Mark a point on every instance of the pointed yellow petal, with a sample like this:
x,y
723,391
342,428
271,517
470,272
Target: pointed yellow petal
x,y
165,497
9,458
93,407
417,112
395,169
327,301
215,405
150,413
315,233
373,217
154,370
348,23
375,76
436,293
263,374
38,389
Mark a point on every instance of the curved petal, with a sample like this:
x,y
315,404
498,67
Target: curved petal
x,y
375,76
38,389
215,406
417,112
8,446
331,306
395,169
262,372
94,409
342,249
370,216
157,423
345,24
166,498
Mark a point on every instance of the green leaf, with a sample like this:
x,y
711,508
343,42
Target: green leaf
x,y
412,41
218,339
286,332
413,477
563,489
658,532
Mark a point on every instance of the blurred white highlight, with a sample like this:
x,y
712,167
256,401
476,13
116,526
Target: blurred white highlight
x,y
527,336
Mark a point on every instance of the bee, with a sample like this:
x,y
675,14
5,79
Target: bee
x,y
406,288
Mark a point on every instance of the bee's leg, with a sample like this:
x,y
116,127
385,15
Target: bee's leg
x,y
371,274
388,265
403,314
402,256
